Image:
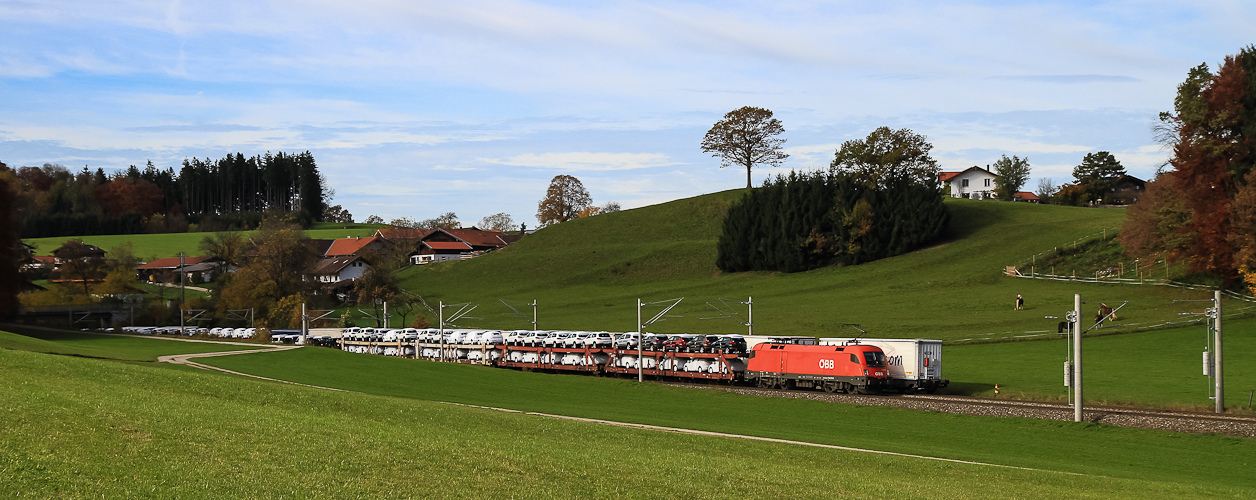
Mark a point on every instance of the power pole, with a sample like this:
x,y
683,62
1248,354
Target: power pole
x,y
1220,396
183,294
749,315
640,361
1077,358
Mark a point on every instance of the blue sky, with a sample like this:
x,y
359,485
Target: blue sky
x,y
415,108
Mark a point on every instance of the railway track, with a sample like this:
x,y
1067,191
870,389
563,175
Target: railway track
x,y
1170,420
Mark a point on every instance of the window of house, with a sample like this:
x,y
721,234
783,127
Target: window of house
x,y
963,183
987,182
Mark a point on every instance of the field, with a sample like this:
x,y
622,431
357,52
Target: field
x,y
80,427
588,273
149,246
115,347
1160,368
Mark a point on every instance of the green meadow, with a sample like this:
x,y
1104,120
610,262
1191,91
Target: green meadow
x,y
78,427
149,246
106,346
1157,368
588,274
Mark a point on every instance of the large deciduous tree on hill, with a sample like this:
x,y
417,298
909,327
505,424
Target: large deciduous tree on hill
x,y
746,137
563,201
886,157
1010,175
501,221
1097,174
1212,130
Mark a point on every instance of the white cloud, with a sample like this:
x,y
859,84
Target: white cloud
x,y
586,161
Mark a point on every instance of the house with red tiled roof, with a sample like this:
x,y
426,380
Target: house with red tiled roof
x,y
975,183
351,246
165,270
402,233
1025,196
337,270
463,243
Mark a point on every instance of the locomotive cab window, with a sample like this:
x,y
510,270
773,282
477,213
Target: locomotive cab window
x,y
854,359
875,359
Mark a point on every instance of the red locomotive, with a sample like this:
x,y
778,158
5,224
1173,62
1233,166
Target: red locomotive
x,y
853,368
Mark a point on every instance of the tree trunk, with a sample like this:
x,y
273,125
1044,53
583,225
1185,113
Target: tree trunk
x,y
747,176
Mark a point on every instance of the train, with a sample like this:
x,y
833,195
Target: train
x,y
766,362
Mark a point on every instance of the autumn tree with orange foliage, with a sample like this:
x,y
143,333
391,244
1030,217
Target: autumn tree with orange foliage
x,y
127,195
1213,133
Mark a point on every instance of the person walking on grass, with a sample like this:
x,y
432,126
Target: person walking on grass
x,y
1020,302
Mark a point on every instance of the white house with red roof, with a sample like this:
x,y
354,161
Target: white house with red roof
x,y
340,269
974,183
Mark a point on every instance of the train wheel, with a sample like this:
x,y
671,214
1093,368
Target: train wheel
x,y
830,387
761,383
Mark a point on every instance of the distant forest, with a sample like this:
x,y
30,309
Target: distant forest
x,y
206,195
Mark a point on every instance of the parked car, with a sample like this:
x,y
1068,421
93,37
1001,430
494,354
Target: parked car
x,y
599,340
556,339
575,340
453,337
678,343
654,341
626,340
704,343
491,337
735,344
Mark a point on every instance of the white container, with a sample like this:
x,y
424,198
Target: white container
x,y
913,363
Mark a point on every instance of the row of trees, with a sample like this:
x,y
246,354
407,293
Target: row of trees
x,y
1203,208
53,201
880,198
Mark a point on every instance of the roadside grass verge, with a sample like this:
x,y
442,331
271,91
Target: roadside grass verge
x,y
1160,368
1085,448
106,346
89,428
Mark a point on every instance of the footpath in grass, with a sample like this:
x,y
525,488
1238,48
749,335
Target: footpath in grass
x,y
106,346
1160,368
1053,445
78,428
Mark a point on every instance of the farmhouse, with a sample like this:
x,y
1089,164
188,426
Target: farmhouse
x,y
1026,197
165,270
975,183
335,270
454,244
352,246
1126,189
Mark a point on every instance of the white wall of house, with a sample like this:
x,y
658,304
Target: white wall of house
x,y
427,258
350,272
975,184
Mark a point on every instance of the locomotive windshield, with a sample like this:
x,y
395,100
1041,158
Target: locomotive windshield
x,y
875,359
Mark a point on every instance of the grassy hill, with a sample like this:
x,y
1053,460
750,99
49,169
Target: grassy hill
x,y
588,274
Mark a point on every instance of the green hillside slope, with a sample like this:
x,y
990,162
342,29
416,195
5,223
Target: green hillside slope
x,y
588,274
